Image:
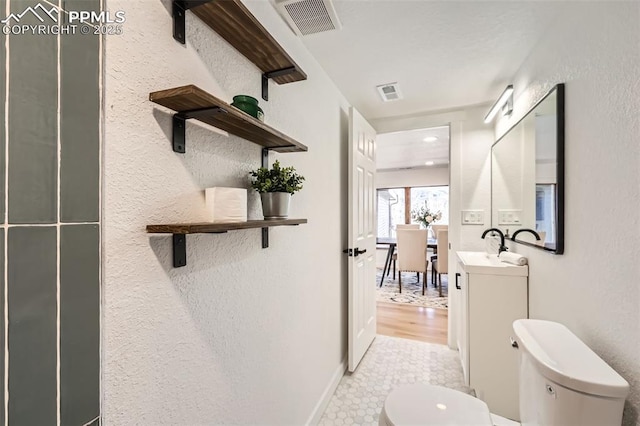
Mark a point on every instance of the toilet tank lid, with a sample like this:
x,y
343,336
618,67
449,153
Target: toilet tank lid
x,y
565,359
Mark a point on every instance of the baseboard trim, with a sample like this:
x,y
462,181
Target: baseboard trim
x,y
321,406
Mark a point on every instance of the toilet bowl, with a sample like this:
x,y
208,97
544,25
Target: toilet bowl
x,y
562,382
423,404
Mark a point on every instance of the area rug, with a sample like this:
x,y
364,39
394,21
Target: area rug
x,y
411,291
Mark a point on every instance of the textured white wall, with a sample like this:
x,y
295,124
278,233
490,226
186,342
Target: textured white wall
x,y
470,189
471,172
241,334
436,176
594,288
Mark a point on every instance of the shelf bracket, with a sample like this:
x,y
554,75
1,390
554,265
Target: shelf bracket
x,y
180,8
179,250
180,125
265,231
271,74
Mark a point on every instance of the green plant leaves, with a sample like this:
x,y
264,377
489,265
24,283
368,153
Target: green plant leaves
x,y
278,179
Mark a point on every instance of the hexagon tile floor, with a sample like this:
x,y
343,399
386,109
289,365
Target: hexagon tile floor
x,y
390,362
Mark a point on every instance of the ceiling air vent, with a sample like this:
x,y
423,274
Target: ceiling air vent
x,y
389,92
309,16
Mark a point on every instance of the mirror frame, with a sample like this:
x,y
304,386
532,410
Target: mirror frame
x,y
560,184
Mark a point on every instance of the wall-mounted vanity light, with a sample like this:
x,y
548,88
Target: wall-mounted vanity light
x,y
504,103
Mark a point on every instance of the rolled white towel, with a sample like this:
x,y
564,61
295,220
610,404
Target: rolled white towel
x,y
514,258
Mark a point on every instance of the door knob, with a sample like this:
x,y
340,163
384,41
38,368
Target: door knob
x,y
354,252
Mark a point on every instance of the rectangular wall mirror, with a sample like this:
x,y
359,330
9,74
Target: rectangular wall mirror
x,y
527,176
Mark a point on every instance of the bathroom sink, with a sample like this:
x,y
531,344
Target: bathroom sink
x,y
479,262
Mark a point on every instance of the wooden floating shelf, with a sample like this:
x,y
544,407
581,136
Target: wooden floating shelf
x,y
193,102
179,231
233,21
214,228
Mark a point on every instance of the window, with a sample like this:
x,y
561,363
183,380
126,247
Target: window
x,y
436,199
394,209
545,208
391,209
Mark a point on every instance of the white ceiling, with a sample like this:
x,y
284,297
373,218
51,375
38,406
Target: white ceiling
x,y
443,54
403,150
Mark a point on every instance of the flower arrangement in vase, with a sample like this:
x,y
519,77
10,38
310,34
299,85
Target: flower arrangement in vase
x,y
424,216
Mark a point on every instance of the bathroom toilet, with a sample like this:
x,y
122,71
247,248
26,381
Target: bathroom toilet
x,y
562,382
433,405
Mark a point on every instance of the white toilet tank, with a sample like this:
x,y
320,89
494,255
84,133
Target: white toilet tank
x,y
562,381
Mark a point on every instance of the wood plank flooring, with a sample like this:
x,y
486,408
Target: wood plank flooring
x,y
412,322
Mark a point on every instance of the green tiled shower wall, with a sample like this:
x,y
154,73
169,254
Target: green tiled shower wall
x,y
50,211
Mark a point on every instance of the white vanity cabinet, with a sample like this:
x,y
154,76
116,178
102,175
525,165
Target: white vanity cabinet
x,y
492,295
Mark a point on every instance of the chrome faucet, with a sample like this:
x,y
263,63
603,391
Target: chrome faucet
x,y
535,234
502,246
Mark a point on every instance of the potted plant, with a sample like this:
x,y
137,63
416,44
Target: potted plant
x,y
276,186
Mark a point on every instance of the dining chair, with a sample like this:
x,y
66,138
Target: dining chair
x,y
434,256
407,226
394,257
436,228
412,254
441,264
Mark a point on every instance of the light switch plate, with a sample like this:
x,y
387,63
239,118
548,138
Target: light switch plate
x,y
509,217
473,217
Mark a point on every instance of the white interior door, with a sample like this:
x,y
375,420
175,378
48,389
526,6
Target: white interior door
x,y
362,237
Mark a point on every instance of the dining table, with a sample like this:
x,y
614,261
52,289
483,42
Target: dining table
x,y
432,243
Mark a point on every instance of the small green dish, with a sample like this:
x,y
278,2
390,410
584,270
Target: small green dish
x,y
249,105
